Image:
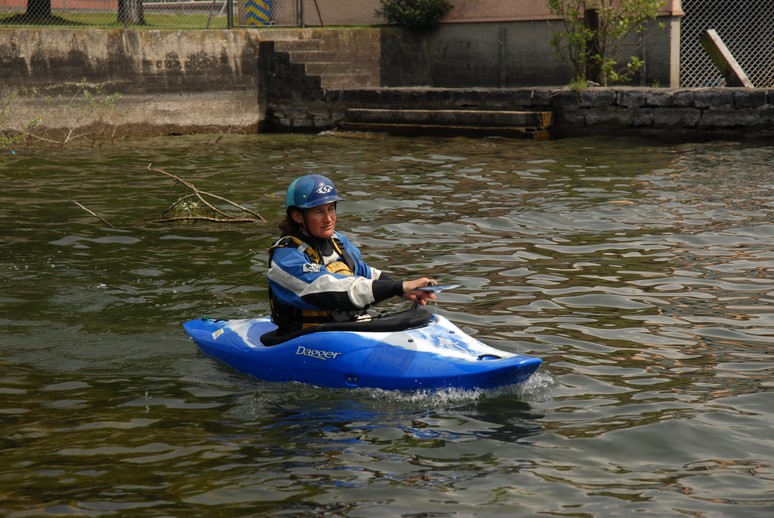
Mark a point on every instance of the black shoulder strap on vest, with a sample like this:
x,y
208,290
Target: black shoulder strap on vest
x,y
339,247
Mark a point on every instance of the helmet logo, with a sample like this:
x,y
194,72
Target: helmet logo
x,y
324,189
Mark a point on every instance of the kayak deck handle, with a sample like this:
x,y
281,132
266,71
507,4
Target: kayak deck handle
x,y
485,357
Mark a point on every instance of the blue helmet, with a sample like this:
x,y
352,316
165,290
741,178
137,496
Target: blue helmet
x,y
310,191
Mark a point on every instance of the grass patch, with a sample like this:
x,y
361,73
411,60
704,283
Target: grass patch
x,y
107,20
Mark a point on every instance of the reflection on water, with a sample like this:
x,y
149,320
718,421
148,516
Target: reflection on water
x,y
640,273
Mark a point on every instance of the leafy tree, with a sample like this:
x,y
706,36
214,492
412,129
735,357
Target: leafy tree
x,y
592,32
414,14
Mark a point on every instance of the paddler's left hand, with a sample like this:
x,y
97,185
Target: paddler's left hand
x,y
410,291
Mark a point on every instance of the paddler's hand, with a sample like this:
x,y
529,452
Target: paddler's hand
x,y
410,291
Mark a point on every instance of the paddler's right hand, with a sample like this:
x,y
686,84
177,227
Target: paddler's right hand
x,y
410,291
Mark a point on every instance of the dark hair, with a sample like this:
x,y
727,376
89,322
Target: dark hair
x,y
288,226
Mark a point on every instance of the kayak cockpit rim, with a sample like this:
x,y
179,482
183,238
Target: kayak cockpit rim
x,y
389,322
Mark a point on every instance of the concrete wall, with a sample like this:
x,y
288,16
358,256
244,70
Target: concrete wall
x,y
168,81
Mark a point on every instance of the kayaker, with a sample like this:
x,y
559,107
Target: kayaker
x,y
316,274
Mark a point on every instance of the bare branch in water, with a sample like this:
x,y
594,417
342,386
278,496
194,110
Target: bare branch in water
x,y
103,220
204,218
204,197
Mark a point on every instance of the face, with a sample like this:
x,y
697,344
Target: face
x,y
320,221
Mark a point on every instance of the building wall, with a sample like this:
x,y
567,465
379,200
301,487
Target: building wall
x,y
514,54
469,11
361,12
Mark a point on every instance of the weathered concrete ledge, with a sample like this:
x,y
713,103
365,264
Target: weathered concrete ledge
x,y
533,125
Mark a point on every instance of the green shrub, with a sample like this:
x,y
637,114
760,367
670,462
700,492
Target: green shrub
x,y
414,14
589,47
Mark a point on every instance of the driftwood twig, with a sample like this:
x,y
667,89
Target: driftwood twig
x,y
204,218
204,197
103,220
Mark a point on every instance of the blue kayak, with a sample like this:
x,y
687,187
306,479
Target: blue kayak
x,y
410,350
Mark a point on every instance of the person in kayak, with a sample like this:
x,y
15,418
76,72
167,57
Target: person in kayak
x,y
316,274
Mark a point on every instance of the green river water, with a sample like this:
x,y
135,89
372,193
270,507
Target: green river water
x,y
640,272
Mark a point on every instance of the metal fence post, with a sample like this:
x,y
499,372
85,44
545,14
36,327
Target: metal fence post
x,y
230,14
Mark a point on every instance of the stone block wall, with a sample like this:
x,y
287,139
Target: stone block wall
x,y
672,114
668,113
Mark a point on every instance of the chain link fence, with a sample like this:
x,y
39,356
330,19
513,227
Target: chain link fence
x,y
746,28
177,14
306,13
205,14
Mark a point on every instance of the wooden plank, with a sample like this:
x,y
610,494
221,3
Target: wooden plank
x,y
724,60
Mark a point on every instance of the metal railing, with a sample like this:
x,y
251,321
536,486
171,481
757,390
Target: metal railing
x,y
203,14
746,28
